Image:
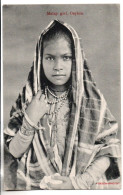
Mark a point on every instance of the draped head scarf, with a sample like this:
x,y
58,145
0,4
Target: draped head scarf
x,y
92,129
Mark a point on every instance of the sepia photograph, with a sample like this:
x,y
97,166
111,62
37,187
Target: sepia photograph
x,y
61,97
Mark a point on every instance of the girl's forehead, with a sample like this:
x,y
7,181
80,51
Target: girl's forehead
x,y
60,44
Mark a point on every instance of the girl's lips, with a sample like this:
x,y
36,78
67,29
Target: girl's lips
x,y
59,75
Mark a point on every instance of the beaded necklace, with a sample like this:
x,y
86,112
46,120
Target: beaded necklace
x,y
52,116
57,97
60,98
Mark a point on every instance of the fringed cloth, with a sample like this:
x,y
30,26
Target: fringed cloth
x,y
92,129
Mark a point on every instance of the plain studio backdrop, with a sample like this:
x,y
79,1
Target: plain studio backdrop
x,y
99,27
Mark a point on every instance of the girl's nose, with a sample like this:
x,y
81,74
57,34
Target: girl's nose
x,y
58,65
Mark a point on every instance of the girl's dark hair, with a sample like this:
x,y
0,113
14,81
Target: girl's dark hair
x,y
56,32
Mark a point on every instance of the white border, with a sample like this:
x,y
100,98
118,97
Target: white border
x,y
61,2
56,2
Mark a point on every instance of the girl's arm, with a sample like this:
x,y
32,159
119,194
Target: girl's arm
x,y
92,175
83,181
22,140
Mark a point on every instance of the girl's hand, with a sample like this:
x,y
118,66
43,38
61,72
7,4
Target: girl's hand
x,y
65,185
37,108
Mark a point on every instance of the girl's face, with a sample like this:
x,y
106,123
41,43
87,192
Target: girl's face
x,y
57,61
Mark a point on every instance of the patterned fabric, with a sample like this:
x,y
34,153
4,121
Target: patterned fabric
x,y
91,130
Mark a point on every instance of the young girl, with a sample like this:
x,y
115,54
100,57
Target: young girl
x,y
60,123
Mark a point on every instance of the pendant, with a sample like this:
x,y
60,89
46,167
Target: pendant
x,y
50,126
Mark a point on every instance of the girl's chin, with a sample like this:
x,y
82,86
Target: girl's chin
x,y
58,83
58,86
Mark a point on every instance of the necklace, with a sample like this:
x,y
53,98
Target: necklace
x,y
61,99
56,111
56,90
56,98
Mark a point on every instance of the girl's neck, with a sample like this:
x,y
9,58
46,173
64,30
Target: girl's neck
x,y
58,89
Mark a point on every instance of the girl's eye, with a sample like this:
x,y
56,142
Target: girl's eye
x,y
67,58
49,58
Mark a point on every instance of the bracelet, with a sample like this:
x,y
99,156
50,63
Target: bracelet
x,y
26,131
31,123
74,183
85,184
81,180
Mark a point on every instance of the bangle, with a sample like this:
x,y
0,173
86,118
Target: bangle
x,y
31,123
81,180
26,131
85,184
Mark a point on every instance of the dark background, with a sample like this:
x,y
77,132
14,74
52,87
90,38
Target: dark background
x,y
99,28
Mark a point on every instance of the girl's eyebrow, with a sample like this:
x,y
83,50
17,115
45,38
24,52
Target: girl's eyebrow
x,y
61,55
66,54
49,54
